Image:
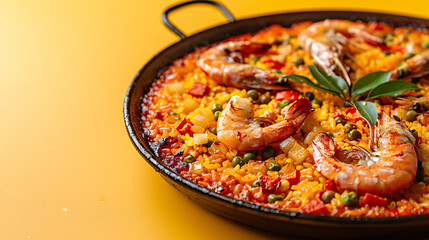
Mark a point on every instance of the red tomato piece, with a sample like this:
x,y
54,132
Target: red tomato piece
x,y
269,183
373,200
199,89
273,64
293,178
185,127
290,95
330,185
315,206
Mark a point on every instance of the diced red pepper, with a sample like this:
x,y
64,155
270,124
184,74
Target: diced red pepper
x,y
376,26
337,113
315,206
290,95
185,127
269,183
330,185
373,200
351,110
273,64
160,114
199,89
293,178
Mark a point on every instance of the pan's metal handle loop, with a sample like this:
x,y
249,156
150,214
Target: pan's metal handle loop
x,y
173,28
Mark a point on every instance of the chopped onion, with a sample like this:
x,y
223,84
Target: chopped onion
x,y
200,138
176,87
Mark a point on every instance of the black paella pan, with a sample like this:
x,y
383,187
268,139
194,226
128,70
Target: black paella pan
x,y
265,218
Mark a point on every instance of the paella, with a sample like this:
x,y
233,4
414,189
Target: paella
x,y
326,118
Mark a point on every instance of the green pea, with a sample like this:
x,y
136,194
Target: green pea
x,y
388,37
284,103
265,99
255,58
316,101
415,133
350,199
214,130
253,94
298,61
330,134
173,114
328,196
256,183
418,106
274,166
354,135
348,127
426,180
216,115
209,143
189,159
254,152
248,156
425,45
310,95
408,55
216,107
268,152
237,161
340,120
411,115
274,197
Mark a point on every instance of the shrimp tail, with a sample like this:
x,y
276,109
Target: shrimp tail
x,y
301,107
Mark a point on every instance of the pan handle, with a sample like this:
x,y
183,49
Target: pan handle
x,y
179,33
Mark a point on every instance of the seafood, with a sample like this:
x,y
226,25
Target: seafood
x,y
417,66
326,44
224,64
394,169
237,127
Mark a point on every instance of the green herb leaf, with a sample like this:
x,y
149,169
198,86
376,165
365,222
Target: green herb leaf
x,y
392,88
321,78
368,110
369,82
310,83
341,83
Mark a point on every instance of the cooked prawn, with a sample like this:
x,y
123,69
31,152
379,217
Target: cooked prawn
x,y
325,43
417,66
388,170
237,128
224,64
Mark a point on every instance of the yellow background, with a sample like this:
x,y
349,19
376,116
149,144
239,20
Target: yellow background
x,y
67,167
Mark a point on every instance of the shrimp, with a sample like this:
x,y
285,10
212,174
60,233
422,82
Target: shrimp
x,y
329,53
224,64
394,169
237,128
417,66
